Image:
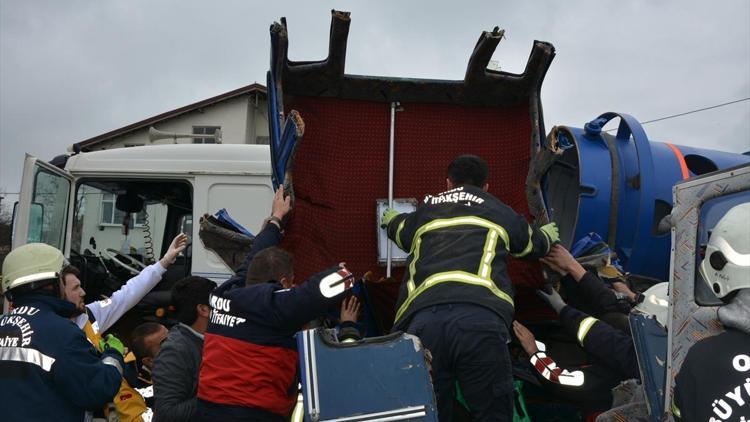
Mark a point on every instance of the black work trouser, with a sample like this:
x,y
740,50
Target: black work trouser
x,y
469,345
212,412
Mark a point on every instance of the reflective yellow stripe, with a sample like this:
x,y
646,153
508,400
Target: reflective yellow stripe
x,y
675,409
450,222
462,221
453,276
485,268
584,327
528,248
413,265
398,234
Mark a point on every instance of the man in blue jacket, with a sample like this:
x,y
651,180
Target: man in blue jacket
x,y
249,368
48,370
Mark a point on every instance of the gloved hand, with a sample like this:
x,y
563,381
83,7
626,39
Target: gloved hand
x,y
112,343
553,234
553,299
388,215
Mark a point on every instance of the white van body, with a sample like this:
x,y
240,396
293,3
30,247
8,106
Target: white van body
x,y
56,205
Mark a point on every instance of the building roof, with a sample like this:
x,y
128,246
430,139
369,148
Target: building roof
x,y
88,143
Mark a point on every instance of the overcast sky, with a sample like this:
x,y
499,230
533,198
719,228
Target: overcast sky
x,y
70,70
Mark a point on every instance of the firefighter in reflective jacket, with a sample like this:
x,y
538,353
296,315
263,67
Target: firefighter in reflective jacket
x,y
457,296
48,369
714,381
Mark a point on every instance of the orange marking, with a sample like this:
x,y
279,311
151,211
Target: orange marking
x,y
681,160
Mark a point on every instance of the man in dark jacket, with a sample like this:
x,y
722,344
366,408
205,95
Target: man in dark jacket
x,y
48,370
249,369
457,296
714,381
175,373
607,345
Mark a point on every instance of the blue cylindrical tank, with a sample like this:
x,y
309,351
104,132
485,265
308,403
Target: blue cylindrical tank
x,y
620,186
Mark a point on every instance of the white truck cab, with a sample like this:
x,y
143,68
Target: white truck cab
x,y
124,206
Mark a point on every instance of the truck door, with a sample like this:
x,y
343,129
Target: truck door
x,y
41,214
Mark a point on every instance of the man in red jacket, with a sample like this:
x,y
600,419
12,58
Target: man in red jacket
x,y
249,368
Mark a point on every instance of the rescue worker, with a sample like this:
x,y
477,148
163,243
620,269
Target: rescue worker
x,y
48,369
98,316
607,345
456,295
249,368
714,381
588,386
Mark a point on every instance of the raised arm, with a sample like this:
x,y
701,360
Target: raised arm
x,y
108,311
270,235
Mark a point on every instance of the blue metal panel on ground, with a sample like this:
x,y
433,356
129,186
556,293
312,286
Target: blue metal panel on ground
x,y
650,341
379,378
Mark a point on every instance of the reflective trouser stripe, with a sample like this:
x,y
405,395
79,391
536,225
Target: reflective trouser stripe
x,y
24,354
455,277
584,327
298,415
675,410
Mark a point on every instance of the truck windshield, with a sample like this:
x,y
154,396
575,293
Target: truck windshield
x,y
100,226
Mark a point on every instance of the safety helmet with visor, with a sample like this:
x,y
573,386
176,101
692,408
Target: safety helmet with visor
x,y
726,265
30,267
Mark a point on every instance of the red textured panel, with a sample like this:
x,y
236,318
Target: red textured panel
x,y
342,168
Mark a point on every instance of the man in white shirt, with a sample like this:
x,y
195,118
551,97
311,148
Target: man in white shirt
x,y
97,317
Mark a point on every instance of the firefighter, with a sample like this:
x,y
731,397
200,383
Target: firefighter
x,y
456,295
714,380
48,369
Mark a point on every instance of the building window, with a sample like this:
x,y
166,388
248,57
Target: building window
x,y
205,130
262,140
111,215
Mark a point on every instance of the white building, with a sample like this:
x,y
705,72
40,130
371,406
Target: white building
x,y
241,116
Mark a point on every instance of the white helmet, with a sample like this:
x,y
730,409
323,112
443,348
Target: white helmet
x,y
726,266
656,302
31,266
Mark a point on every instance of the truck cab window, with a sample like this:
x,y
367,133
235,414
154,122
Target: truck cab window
x,y
49,209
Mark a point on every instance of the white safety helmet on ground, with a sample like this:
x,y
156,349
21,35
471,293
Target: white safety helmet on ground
x,y
656,302
726,265
31,266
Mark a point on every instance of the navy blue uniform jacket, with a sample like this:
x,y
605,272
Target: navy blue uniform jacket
x,y
48,369
250,354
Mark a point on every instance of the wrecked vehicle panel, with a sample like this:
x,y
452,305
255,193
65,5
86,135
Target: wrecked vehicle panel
x,y
341,165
